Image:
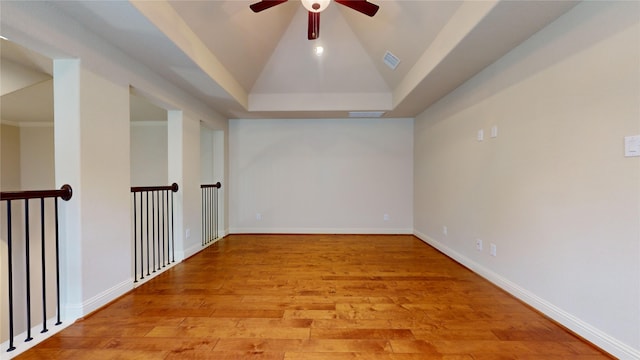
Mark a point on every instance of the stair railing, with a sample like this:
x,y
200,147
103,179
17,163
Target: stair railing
x,y
154,235
209,193
23,198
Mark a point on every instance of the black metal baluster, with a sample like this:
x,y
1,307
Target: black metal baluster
x,y
10,265
57,264
147,195
202,211
207,215
164,240
28,273
173,238
211,214
153,232
212,236
44,284
167,242
157,250
141,242
135,227
215,209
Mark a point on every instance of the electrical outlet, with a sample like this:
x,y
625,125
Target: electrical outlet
x,y
479,244
187,233
494,131
258,216
493,249
445,231
385,217
480,136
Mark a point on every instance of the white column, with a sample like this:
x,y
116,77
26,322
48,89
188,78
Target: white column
x,y
66,88
175,164
219,175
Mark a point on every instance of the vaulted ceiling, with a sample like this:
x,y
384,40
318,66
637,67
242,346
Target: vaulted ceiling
x,y
261,65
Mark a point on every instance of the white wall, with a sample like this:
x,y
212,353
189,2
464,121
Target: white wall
x,y
9,157
106,188
553,191
37,165
149,164
206,155
321,175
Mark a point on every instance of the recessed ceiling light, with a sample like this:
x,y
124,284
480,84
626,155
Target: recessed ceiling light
x,y
318,50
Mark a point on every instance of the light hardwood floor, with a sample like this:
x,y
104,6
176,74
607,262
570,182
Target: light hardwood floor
x,y
316,297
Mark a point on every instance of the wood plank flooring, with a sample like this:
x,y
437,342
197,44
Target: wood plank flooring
x,y
316,297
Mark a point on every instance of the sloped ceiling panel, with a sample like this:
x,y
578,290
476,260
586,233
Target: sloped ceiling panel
x,y
297,79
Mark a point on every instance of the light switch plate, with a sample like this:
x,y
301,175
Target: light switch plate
x,y
632,146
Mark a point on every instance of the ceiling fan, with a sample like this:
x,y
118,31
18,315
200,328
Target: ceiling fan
x,y
315,7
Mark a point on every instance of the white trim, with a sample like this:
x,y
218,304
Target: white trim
x,y
35,124
10,123
197,248
75,311
183,254
149,123
369,231
596,336
152,275
27,124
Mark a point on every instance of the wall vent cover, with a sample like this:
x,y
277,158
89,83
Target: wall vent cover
x,y
391,60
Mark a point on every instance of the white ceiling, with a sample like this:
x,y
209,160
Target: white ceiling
x,y
248,65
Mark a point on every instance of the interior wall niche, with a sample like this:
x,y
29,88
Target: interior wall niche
x,y
149,143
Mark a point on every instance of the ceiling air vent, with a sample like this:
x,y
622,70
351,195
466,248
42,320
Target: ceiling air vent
x,y
365,114
391,60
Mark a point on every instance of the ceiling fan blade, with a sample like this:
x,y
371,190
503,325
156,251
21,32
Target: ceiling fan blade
x,y
362,6
265,4
313,31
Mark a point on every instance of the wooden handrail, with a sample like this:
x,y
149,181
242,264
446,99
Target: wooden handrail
x,y
216,185
173,187
64,193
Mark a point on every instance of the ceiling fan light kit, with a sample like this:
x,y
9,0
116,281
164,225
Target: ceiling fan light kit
x,y
315,7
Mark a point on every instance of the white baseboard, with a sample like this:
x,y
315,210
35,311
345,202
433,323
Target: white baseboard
x,y
38,337
402,231
587,331
75,311
188,252
196,248
70,313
